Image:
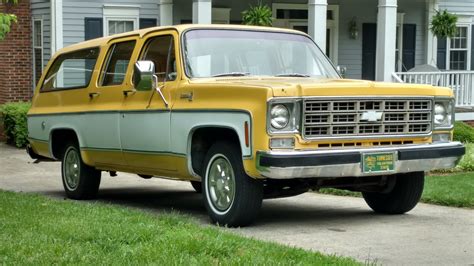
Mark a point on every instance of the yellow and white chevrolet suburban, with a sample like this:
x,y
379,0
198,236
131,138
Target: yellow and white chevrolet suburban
x,y
243,113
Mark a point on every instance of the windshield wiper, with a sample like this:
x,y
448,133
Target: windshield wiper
x,y
232,74
292,75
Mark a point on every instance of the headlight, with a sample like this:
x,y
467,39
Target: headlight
x,y
279,116
443,113
283,116
440,114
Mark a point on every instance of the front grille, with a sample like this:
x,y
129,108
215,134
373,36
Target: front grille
x,y
366,117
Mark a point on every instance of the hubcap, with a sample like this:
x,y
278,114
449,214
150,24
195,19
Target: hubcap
x,y
221,183
71,169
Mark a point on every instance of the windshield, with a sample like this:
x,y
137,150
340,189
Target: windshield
x,y
217,53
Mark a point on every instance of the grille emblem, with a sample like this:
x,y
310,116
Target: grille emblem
x,y
371,116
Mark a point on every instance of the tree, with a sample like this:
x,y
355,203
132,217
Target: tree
x,y
259,15
7,19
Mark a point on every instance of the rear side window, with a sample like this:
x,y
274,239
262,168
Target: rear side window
x,y
71,71
116,66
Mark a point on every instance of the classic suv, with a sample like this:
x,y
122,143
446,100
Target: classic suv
x,y
244,113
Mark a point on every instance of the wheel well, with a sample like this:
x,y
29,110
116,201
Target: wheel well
x,y
202,140
59,139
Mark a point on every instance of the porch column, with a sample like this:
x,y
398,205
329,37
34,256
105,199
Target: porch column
x,y
56,25
386,38
431,40
166,12
202,11
317,16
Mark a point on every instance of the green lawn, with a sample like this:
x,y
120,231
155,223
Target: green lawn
x,y
38,230
455,189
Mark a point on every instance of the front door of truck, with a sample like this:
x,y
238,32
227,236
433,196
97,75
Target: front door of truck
x,y
145,117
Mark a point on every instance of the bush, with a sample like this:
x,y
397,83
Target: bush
x,y
467,162
14,119
463,132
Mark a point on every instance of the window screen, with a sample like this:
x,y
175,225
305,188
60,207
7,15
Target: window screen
x,y
71,70
118,60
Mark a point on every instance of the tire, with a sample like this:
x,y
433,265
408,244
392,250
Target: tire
x,y
197,186
402,198
80,181
223,171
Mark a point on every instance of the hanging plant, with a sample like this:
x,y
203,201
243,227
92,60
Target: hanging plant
x,y
443,24
259,15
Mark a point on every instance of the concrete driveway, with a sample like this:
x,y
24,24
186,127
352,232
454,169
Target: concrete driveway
x,y
335,225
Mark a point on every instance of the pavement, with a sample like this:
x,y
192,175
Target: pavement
x,y
344,226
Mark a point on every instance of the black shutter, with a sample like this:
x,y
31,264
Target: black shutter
x,y
472,48
409,46
93,28
369,47
441,54
147,23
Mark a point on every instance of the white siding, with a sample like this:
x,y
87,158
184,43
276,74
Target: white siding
x,y
75,11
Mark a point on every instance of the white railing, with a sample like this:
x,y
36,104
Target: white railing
x,y
461,82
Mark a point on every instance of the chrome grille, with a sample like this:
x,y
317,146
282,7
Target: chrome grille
x,y
366,117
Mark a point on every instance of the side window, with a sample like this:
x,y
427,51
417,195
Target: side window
x,y
72,70
160,50
118,59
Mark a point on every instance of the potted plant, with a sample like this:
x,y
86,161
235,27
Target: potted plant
x,y
259,15
443,24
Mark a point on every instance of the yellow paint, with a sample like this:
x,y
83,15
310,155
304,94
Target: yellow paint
x,y
241,93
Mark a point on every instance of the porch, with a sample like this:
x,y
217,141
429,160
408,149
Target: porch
x,y
372,39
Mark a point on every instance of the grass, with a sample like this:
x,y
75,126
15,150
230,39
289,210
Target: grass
x,y
38,230
454,190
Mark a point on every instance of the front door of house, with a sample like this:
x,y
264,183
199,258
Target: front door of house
x,y
295,16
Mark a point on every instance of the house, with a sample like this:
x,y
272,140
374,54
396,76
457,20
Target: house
x,y
373,39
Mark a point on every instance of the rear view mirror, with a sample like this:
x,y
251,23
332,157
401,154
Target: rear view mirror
x,y
143,79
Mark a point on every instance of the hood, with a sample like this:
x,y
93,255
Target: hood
x,y
298,87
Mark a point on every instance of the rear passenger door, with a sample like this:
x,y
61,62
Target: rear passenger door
x,y
106,100
145,121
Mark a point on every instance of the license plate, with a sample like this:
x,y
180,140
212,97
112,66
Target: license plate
x,y
378,162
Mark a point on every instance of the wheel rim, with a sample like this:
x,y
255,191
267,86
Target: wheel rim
x,y
71,169
221,183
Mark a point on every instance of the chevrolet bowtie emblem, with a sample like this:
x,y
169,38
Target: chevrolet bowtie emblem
x,y
371,116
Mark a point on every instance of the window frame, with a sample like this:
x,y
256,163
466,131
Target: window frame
x,y
34,46
77,87
176,46
106,61
120,13
468,49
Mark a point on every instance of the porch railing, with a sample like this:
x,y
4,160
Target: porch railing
x,y
461,82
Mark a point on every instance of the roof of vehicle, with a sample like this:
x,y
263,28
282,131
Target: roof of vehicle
x,y
178,28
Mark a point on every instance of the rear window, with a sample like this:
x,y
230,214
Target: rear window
x,y
71,70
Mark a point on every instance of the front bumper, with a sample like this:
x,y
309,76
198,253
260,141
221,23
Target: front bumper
x,y
347,162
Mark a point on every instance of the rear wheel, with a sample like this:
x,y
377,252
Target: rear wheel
x,y
80,181
402,198
231,197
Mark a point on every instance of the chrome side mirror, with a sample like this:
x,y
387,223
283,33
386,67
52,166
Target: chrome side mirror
x,y
341,70
143,76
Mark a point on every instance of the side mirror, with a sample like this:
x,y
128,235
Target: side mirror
x,y
143,76
341,70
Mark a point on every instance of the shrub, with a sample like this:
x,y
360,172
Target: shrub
x,y
467,162
463,132
259,15
14,119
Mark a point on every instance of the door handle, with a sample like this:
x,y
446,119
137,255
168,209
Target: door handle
x,y
93,94
187,95
128,92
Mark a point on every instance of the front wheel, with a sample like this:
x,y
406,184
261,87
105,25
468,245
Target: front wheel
x,y
231,197
402,198
80,181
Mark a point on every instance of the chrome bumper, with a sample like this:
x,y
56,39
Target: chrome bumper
x,y
347,162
